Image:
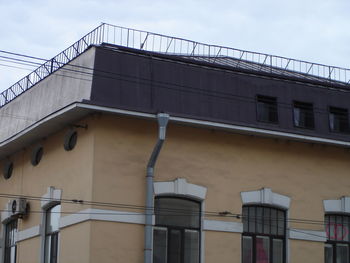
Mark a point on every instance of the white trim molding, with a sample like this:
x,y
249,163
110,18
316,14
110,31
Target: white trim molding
x,y
308,235
222,226
180,187
51,198
28,233
102,215
265,196
341,205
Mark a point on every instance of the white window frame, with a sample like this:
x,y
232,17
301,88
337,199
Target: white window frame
x,y
49,200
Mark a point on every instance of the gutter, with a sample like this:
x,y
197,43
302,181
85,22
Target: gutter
x,y
162,123
77,110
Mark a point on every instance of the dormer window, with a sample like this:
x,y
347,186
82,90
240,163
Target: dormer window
x,y
266,108
303,115
338,120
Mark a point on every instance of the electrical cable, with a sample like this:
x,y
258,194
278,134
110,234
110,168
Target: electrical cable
x,y
162,84
174,211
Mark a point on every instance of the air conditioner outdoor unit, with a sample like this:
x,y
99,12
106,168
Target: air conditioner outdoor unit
x,y
19,208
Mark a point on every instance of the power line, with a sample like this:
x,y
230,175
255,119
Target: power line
x,y
161,84
168,210
21,55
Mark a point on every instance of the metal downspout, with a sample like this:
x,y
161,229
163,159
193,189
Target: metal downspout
x,y
162,123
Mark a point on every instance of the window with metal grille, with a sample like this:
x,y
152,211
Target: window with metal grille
x,y
338,239
10,242
176,236
303,115
338,120
266,108
51,234
264,235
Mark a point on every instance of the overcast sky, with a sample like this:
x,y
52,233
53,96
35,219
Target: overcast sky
x,y
316,31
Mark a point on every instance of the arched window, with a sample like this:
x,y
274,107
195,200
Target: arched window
x,y
338,238
264,234
176,236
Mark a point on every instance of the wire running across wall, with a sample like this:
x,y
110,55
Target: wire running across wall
x,y
152,42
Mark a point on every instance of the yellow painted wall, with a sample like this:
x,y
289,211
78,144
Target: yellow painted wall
x,y
109,165
74,243
28,250
116,242
70,171
226,164
222,246
303,251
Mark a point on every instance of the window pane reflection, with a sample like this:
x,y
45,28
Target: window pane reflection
x,y
277,251
328,253
177,212
191,246
262,249
159,245
342,253
247,256
175,246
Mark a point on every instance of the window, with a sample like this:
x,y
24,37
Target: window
x,y
10,242
338,239
176,236
303,114
264,232
338,119
51,234
266,108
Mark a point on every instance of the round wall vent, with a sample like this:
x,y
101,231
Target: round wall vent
x,y
8,169
70,140
37,154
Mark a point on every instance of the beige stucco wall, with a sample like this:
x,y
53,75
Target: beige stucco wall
x,y
28,250
303,251
70,171
109,165
222,247
226,164
74,243
116,242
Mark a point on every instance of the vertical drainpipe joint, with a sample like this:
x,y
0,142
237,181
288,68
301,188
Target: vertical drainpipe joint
x,y
163,119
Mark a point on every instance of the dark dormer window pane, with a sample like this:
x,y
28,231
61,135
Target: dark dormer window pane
x,y
338,120
267,109
303,115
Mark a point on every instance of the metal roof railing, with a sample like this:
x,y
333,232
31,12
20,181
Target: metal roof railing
x,y
142,40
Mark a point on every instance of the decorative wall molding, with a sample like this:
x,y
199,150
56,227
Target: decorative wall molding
x,y
308,235
341,205
222,226
51,198
139,218
102,215
28,233
265,196
180,187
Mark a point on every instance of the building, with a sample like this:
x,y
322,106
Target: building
x,y
131,146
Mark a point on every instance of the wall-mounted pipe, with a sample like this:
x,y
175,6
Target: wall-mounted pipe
x,y
162,123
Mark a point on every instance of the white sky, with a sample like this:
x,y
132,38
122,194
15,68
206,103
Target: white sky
x,y
316,31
